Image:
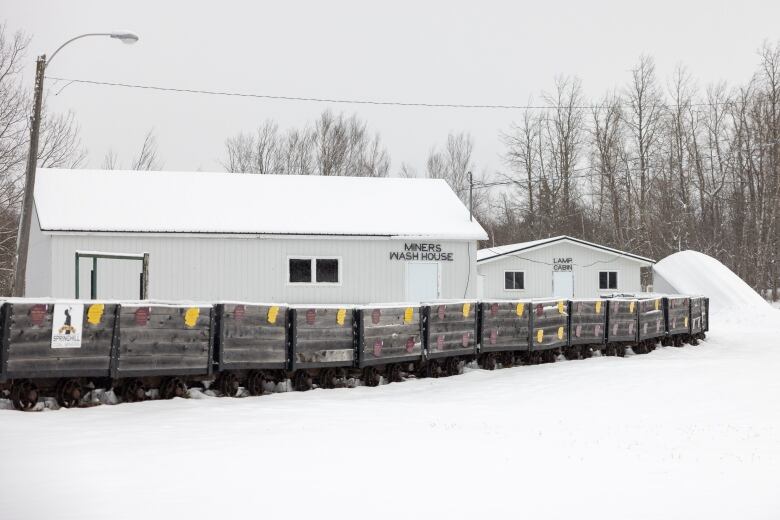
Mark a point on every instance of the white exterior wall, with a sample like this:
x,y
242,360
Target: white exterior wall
x,y
251,268
38,279
538,267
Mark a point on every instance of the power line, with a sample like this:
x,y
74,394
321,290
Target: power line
x,y
355,101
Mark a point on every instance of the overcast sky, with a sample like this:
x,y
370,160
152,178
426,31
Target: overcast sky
x,y
442,52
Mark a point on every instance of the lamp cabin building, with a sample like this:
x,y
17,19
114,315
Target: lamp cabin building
x,y
562,267
225,236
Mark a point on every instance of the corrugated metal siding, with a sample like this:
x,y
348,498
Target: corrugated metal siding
x,y
38,279
250,269
538,267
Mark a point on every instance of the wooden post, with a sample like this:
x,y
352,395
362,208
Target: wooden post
x,y
25,219
145,275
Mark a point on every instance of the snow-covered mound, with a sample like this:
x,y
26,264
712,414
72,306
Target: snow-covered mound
x,y
691,272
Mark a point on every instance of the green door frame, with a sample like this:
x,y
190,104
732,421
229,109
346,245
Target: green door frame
x,y
143,258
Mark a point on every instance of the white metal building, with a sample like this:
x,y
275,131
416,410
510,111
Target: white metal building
x,y
561,266
223,236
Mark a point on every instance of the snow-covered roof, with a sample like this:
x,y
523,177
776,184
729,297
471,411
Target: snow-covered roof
x,y
221,203
492,253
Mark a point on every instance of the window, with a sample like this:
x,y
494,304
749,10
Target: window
x,y
300,270
313,270
608,280
327,270
514,280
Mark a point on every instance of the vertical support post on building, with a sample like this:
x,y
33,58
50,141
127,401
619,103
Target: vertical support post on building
x,y
471,197
93,280
145,278
77,276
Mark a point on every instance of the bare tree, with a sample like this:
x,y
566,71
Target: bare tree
x,y
147,159
110,161
336,145
407,171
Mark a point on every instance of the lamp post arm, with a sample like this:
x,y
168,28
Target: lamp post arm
x,y
53,54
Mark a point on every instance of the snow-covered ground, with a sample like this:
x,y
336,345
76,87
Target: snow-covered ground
x,y
679,433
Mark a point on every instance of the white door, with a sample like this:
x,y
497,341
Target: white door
x,y
563,284
422,281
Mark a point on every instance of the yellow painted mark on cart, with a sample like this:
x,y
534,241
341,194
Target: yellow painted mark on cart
x,y
408,315
95,313
519,309
560,332
686,322
539,335
273,312
657,304
598,307
631,307
191,316
466,309
340,315
561,307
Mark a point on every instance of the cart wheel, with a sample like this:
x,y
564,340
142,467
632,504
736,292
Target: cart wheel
x,y
585,352
255,382
133,391
68,392
327,378
173,387
301,381
571,353
452,366
620,351
433,368
548,356
488,361
24,394
393,373
228,384
371,377
508,359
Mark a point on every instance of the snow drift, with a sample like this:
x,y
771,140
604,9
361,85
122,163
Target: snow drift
x,y
691,272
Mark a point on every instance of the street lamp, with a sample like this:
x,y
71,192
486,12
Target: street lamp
x,y
23,239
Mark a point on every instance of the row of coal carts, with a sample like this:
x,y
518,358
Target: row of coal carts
x,y
63,349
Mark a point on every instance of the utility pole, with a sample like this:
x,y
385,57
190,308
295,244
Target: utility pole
x,y
23,239
471,197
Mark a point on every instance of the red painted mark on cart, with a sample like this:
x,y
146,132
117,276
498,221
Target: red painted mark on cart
x,y
493,336
410,344
311,316
614,329
378,348
597,330
578,331
644,328
442,311
38,314
674,323
466,338
494,309
239,311
631,328
376,314
142,316
440,343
